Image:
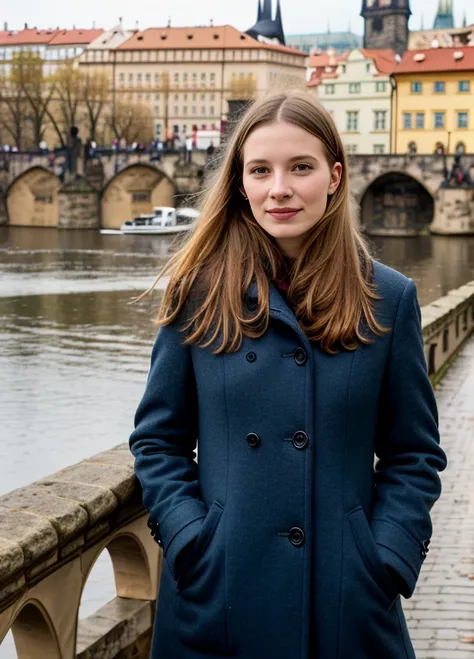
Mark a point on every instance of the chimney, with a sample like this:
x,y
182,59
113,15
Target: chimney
x,y
26,26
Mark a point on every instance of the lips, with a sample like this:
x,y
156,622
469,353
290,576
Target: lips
x,y
283,213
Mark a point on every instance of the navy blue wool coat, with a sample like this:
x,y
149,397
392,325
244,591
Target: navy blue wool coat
x,y
300,548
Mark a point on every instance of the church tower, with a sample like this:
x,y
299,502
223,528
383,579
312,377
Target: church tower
x,y
445,16
386,24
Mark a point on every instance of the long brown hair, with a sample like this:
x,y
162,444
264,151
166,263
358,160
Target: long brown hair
x,y
330,281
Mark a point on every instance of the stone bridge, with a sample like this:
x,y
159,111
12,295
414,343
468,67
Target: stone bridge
x,y
396,194
53,531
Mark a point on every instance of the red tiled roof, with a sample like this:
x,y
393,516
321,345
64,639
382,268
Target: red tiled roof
x,y
26,37
70,37
384,59
223,36
437,60
326,59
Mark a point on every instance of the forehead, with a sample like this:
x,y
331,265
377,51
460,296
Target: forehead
x,y
281,140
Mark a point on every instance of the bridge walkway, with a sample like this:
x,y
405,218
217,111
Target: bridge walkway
x,y
440,614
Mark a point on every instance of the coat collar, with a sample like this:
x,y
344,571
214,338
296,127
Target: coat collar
x,y
279,309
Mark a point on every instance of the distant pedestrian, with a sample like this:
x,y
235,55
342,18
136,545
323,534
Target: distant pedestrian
x,y
287,357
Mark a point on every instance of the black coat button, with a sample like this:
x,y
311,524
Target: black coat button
x,y
251,357
296,536
300,356
300,439
253,439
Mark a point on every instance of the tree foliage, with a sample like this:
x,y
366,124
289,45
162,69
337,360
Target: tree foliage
x,y
133,121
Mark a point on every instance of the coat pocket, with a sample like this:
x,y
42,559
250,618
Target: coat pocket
x,y
367,548
200,613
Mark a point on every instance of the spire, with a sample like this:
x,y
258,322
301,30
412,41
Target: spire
x,y
267,10
422,24
464,19
444,17
279,23
259,11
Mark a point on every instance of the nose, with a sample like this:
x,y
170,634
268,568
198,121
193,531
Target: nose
x,y
280,188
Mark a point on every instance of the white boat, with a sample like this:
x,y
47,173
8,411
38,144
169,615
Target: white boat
x,y
162,221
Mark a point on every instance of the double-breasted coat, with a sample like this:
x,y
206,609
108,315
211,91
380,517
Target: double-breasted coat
x,y
301,547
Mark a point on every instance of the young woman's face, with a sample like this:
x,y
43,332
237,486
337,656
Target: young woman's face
x,y
287,180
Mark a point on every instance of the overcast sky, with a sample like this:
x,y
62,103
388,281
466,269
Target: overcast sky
x,y
298,15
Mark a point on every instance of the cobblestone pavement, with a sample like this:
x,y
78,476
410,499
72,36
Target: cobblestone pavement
x,y
440,614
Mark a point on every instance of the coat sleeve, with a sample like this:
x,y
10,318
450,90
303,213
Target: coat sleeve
x,y
407,482
164,443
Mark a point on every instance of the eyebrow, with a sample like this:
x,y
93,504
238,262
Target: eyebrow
x,y
305,156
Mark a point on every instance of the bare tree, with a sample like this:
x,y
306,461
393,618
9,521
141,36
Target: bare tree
x,y
133,121
63,112
27,77
12,111
96,95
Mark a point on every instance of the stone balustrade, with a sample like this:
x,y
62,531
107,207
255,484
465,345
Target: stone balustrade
x,y
447,323
53,531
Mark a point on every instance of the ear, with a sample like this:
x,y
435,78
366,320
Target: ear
x,y
336,174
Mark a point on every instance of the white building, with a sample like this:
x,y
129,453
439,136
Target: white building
x,y
358,96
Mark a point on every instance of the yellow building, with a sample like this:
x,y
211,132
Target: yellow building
x,y
433,101
188,75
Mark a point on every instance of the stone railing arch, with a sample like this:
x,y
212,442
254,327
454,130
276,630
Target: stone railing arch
x,y
51,535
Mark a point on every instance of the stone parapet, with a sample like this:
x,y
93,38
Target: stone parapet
x,y
447,323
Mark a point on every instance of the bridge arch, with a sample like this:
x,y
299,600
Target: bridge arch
x,y
136,189
396,203
32,199
34,633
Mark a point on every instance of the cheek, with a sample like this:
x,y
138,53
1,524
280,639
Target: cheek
x,y
314,191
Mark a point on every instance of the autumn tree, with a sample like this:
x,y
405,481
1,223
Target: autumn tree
x,y
133,121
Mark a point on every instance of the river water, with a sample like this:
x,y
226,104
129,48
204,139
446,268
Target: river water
x,y
74,352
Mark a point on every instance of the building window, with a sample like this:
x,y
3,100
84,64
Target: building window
x,y
463,120
439,119
203,77
185,129
412,148
460,148
380,86
203,109
439,87
379,148
139,78
211,110
420,119
157,97
416,87
176,97
157,78
464,86
194,109
122,77
367,67
352,120
130,78
148,77
213,97
407,120
343,67
351,148
176,109
213,79
185,109
194,79
354,88
329,89
380,120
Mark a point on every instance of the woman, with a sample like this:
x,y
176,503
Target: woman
x,y
291,357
